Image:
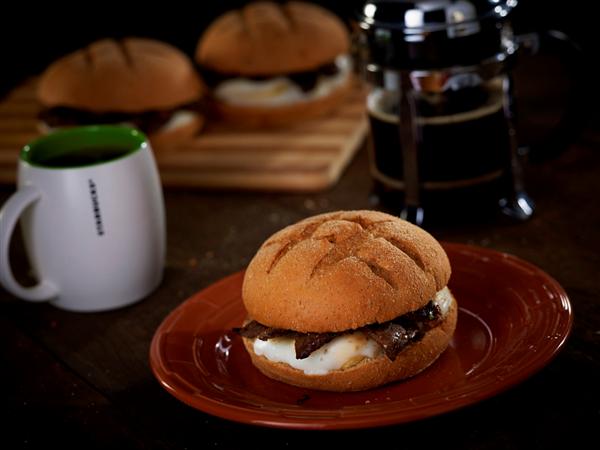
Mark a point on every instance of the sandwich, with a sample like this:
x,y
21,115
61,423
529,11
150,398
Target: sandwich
x,y
275,64
144,83
347,301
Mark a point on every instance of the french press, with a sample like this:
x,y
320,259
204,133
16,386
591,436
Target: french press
x,y
440,106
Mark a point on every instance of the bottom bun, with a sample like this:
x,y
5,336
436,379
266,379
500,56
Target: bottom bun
x,y
166,138
274,116
163,138
370,372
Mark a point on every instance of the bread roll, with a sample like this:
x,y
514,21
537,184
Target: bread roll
x,y
365,291
131,75
268,40
343,270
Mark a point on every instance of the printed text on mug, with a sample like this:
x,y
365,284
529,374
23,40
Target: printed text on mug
x,y
96,207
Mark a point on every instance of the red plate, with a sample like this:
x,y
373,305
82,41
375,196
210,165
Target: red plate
x,y
513,319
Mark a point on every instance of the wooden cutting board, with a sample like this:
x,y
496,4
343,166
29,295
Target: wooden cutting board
x,y
308,156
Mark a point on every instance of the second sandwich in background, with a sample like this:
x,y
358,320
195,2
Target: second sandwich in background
x,y
275,64
141,82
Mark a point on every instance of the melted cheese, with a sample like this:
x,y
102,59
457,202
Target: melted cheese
x,y
280,90
179,118
443,300
332,356
336,354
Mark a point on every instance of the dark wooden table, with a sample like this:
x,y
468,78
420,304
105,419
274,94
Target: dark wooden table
x,y
83,380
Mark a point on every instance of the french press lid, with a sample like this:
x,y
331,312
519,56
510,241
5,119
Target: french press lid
x,y
434,34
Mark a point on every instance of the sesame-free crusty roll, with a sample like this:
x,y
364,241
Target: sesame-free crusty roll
x,y
347,300
271,64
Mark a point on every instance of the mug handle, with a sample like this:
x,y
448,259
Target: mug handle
x,y
9,216
573,119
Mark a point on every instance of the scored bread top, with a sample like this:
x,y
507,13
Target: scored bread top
x,y
343,270
266,38
129,75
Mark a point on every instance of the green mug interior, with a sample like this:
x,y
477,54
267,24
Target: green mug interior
x,y
83,146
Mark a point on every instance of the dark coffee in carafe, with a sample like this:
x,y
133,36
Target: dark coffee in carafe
x,y
462,147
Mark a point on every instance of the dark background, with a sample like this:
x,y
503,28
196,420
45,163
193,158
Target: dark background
x,y
105,394
34,35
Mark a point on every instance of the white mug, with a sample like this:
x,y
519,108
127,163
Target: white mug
x,y
92,216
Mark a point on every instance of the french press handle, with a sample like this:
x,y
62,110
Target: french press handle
x,y
407,128
577,106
